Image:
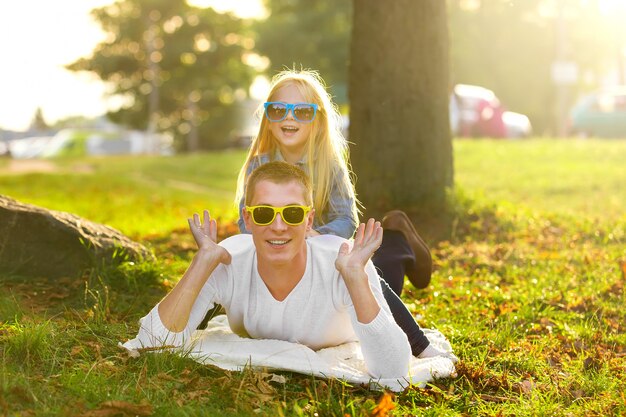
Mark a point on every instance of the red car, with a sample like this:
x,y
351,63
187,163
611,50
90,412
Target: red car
x,y
476,112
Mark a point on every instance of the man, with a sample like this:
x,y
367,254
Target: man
x,y
276,284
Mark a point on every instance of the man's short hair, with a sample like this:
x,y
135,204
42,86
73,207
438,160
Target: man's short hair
x,y
279,172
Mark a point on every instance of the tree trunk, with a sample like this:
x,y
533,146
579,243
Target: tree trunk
x,y
399,126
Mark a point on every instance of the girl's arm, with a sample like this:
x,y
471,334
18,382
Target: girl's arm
x,y
338,217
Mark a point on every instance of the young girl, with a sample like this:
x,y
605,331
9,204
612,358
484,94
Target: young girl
x,y
301,125
309,136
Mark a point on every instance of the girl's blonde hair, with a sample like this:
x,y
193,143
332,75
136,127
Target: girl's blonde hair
x,y
327,148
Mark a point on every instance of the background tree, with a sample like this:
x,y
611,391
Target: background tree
x,y
178,68
311,34
507,46
402,153
38,122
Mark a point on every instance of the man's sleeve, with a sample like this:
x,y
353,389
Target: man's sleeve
x,y
384,345
152,331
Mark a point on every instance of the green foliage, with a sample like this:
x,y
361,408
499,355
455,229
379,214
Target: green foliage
x,y
308,34
529,290
175,65
9,308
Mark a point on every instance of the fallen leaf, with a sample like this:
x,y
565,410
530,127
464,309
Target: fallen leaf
x,y
22,394
123,408
591,363
278,378
495,398
385,404
97,347
576,394
526,386
167,377
76,350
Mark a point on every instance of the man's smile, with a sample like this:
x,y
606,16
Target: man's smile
x,y
278,242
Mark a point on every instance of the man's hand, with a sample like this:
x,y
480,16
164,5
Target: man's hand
x,y
368,238
175,308
205,235
351,266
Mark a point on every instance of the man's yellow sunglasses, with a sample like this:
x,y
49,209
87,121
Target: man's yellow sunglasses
x,y
293,215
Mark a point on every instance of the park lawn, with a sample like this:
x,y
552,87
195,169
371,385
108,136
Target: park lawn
x,y
528,287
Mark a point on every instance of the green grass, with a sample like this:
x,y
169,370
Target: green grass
x,y
138,196
529,288
575,177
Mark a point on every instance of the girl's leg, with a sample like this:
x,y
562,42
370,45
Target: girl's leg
x,y
402,251
392,259
405,320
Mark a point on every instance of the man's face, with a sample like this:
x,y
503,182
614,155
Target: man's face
x,y
279,243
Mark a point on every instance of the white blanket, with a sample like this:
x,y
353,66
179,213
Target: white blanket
x,y
218,345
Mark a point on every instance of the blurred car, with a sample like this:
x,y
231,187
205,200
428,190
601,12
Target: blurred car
x,y
29,147
476,112
601,114
517,125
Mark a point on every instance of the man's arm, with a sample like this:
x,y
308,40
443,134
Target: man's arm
x,y
351,266
384,345
175,308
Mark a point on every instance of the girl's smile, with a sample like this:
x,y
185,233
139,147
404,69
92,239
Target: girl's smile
x,y
291,135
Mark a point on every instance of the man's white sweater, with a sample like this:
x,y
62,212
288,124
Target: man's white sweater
x,y
317,313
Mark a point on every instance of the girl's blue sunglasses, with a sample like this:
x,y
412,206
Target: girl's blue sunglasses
x,y
277,111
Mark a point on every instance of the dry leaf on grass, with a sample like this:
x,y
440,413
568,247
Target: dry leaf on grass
x,y
526,386
255,389
385,404
278,378
120,408
496,398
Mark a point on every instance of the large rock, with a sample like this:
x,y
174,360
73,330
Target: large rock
x,y
43,243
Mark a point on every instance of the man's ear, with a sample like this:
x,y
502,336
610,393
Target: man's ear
x,y
309,220
245,215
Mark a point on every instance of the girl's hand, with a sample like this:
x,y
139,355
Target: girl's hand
x,y
351,263
205,235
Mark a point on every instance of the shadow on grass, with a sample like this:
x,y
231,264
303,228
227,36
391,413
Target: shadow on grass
x,y
112,290
460,219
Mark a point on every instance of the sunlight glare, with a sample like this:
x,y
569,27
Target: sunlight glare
x,y
260,88
247,9
34,55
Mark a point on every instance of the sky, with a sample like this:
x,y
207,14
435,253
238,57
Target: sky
x,y
39,37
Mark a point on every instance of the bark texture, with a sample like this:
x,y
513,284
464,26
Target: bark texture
x,y
398,91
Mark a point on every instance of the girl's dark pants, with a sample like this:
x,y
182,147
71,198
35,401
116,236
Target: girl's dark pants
x,y
392,260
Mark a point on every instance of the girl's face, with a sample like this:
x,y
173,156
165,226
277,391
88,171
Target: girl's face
x,y
291,135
